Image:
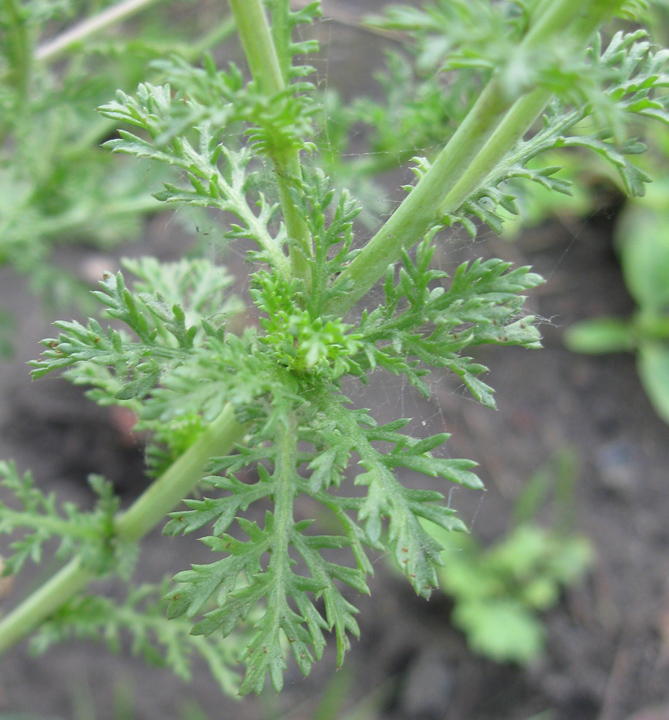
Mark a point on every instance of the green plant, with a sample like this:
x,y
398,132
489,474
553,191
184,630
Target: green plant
x,y
499,590
260,419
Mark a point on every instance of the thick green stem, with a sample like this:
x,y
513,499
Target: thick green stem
x,y
492,127
180,478
261,55
256,38
420,209
296,227
520,118
516,123
18,50
71,580
151,507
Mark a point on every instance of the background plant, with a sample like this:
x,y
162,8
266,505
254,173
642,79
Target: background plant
x,y
642,236
261,417
498,591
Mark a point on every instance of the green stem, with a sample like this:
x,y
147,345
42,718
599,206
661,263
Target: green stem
x,y
256,38
180,478
651,325
520,118
489,131
71,580
261,55
18,50
69,39
147,511
516,123
420,209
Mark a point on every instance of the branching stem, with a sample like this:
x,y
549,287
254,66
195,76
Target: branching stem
x,y
519,119
147,511
489,131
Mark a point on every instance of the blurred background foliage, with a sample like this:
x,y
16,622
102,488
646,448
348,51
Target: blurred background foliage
x,y
57,184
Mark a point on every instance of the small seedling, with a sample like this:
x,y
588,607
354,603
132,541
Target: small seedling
x,y
499,591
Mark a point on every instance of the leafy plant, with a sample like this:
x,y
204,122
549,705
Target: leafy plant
x,y
259,419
